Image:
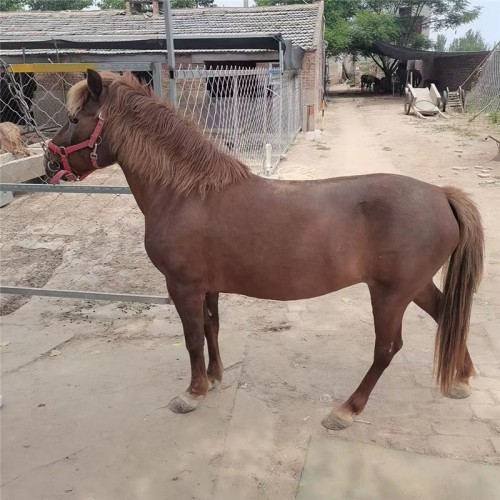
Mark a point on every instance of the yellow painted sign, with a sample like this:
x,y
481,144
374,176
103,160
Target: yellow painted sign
x,y
52,68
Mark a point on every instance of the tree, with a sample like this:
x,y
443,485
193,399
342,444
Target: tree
x,y
57,4
269,3
191,4
183,4
10,5
472,41
111,4
351,26
176,4
440,45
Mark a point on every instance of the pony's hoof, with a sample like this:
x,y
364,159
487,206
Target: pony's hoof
x,y
183,404
337,419
460,390
213,384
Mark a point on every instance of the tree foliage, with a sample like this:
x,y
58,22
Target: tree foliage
x,y
191,4
10,5
57,4
54,5
353,25
472,41
111,4
440,44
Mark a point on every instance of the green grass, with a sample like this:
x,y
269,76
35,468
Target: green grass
x,y
494,117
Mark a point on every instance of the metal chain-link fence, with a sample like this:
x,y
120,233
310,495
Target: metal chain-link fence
x,y
68,240
482,102
28,99
243,110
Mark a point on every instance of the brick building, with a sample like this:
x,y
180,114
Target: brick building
x,y
288,36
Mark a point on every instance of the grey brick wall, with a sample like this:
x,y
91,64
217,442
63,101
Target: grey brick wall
x,y
453,71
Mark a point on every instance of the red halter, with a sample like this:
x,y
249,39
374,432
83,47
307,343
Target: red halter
x,y
63,152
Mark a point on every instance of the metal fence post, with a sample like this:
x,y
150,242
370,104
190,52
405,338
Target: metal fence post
x,y
157,84
290,125
266,109
236,116
169,35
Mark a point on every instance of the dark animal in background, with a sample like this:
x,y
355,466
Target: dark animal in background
x,y
12,109
383,85
430,81
145,77
364,81
401,79
369,82
405,76
416,77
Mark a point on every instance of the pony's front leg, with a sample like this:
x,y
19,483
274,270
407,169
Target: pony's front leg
x,y
189,305
215,368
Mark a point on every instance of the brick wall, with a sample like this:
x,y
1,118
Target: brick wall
x,y
451,71
313,69
311,79
308,78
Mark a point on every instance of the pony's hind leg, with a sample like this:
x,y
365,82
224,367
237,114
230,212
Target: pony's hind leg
x,y
388,311
211,317
429,299
189,305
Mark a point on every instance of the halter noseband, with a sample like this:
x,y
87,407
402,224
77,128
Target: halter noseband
x,y
63,152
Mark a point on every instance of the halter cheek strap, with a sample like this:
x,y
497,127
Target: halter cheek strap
x,y
63,152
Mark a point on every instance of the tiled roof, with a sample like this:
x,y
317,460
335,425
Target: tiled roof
x,y
298,23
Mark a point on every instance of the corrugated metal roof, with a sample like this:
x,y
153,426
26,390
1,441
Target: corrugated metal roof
x,y
48,52
298,23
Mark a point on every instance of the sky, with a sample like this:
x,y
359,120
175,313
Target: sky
x,y
488,23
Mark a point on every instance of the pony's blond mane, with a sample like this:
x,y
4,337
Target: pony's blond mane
x,y
79,93
154,140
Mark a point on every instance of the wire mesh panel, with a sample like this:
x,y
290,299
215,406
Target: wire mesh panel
x,y
482,102
44,93
60,240
242,110
78,242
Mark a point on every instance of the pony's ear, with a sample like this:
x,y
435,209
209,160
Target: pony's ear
x,y
94,83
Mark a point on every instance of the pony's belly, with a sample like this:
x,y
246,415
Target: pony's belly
x,y
274,284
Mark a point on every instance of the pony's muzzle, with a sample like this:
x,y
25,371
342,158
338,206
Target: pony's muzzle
x,y
52,166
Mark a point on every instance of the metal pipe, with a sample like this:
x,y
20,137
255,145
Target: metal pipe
x,y
169,37
78,294
65,188
268,159
236,117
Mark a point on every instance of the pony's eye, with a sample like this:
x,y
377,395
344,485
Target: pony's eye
x,y
73,120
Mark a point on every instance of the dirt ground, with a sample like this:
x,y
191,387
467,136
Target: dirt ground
x,y
86,384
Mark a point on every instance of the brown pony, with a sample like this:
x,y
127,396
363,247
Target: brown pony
x,y
212,226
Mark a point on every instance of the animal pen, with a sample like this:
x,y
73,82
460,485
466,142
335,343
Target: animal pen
x,y
253,114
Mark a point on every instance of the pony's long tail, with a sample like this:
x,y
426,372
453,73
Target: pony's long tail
x,y
463,275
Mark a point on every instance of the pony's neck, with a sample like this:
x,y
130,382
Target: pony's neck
x,y
141,188
152,140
